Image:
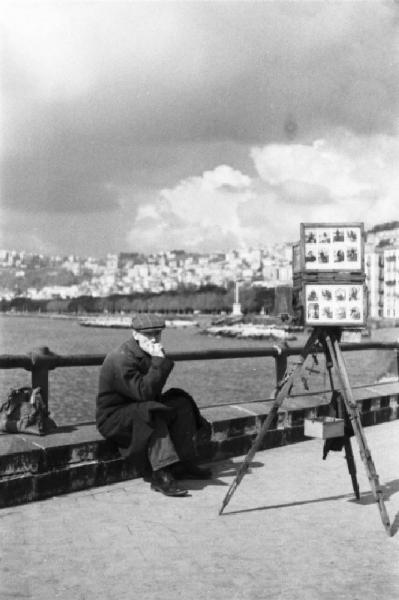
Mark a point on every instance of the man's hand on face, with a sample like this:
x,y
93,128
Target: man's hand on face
x,y
157,349
149,345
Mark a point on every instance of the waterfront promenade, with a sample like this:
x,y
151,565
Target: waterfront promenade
x,y
292,531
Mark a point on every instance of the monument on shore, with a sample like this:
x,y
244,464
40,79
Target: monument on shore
x,y
237,312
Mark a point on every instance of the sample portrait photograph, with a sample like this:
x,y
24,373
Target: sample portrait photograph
x,y
352,254
313,311
338,235
352,235
339,256
340,313
324,257
355,313
310,256
324,237
328,312
340,294
310,237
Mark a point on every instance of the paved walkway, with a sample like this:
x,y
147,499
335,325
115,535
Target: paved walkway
x,y
292,531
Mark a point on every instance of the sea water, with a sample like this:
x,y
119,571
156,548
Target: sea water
x,y
211,382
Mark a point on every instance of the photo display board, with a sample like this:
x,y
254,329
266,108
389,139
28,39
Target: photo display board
x,y
334,304
332,247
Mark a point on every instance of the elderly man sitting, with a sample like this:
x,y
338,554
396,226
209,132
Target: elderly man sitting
x,y
133,411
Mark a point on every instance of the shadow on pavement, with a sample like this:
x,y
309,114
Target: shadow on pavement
x,y
225,469
230,468
289,504
395,525
389,489
64,429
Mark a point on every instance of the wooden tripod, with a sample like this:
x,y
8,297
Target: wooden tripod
x,y
329,338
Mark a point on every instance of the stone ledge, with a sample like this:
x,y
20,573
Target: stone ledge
x,y
77,457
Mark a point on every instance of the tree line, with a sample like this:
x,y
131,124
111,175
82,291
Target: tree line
x,y
210,299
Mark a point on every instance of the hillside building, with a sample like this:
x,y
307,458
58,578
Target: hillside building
x,y
382,271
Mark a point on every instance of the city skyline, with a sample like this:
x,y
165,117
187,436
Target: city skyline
x,y
385,227
158,253
145,126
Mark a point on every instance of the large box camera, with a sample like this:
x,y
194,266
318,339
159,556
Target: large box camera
x,y
329,276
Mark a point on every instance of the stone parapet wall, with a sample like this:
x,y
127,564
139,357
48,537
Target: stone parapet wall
x,y
77,457
234,427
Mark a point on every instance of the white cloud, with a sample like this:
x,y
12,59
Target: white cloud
x,y
355,177
199,212
315,182
343,178
318,164
211,198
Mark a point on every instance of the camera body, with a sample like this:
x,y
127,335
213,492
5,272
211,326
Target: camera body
x,y
329,275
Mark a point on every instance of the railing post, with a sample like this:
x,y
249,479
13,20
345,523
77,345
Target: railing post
x,y
40,371
280,365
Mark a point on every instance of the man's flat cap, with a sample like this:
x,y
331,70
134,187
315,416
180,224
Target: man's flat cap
x,y
145,321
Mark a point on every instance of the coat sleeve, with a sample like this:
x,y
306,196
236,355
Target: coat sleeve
x,y
135,382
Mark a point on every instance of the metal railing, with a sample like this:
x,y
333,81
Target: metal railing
x,y
40,361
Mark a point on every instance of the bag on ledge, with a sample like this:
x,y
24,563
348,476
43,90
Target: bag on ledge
x,y
25,412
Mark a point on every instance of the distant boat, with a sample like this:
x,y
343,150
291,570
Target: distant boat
x,y
125,322
180,323
119,322
251,331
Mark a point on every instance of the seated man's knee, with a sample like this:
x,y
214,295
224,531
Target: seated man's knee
x,y
177,399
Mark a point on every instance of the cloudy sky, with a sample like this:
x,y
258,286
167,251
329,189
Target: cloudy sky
x,y
145,126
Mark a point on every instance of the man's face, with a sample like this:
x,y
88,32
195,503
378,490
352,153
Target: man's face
x,y
154,335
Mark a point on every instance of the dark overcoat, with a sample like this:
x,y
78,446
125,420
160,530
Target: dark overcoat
x,y
130,391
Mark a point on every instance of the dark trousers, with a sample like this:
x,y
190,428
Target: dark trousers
x,y
174,435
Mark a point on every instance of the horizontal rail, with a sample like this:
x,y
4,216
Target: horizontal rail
x,y
15,361
41,360
52,361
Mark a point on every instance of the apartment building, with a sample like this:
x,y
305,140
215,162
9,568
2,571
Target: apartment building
x,y
382,270
391,283
374,265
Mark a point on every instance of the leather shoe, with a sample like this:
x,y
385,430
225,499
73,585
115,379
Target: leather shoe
x,y
163,481
189,470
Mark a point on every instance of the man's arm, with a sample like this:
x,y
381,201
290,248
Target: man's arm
x,y
131,381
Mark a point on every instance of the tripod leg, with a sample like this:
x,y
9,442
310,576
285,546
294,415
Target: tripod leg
x,y
354,414
342,413
282,390
350,461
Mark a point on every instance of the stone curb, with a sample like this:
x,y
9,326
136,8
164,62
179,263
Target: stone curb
x,y
77,457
